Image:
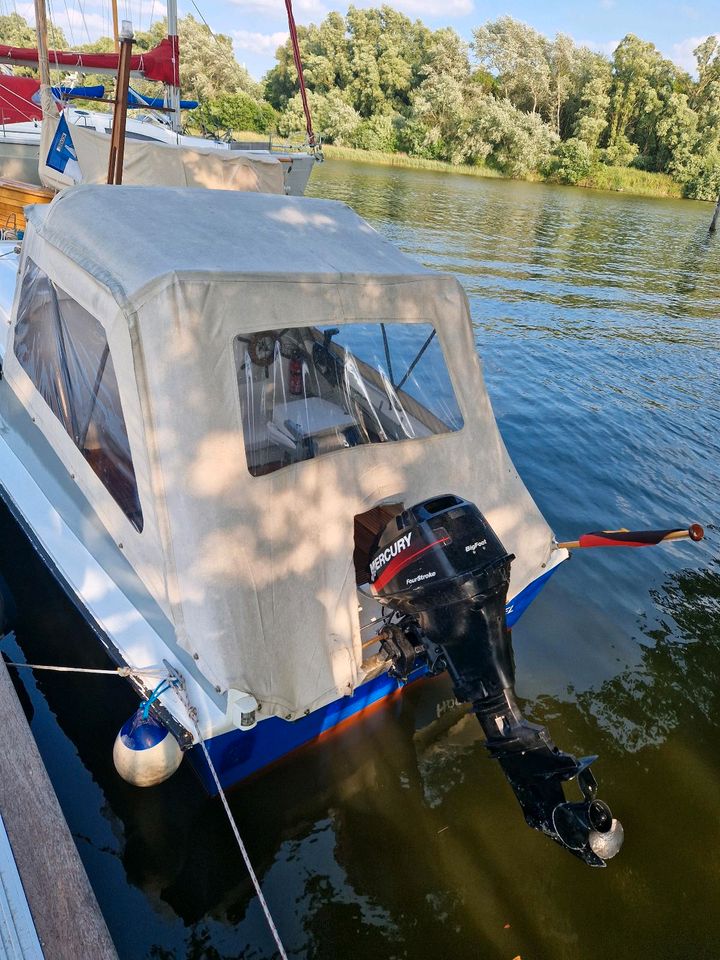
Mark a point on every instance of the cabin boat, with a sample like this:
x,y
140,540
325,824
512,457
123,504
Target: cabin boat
x,y
252,441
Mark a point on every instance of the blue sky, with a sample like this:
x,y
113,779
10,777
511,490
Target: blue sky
x,y
259,26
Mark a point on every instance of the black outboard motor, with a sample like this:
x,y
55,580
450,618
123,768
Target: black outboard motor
x,y
441,566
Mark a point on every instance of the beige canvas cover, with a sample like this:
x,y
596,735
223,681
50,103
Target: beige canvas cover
x,y
257,572
159,164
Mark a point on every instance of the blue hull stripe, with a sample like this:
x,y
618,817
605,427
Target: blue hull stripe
x,y
237,755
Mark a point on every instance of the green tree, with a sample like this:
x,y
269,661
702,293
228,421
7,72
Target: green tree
x,y
643,81
518,142
591,119
519,56
234,112
677,136
571,162
16,32
333,117
438,106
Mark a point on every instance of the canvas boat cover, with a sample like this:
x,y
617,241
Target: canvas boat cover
x,y
147,162
160,64
256,572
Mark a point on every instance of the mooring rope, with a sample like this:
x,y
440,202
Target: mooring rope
x,y
117,672
193,714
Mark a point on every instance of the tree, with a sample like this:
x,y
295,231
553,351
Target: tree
x,y
591,119
519,56
562,57
572,161
333,117
438,106
16,32
642,83
208,68
518,142
234,112
677,136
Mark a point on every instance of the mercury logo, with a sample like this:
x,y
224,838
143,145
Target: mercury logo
x,y
475,546
402,543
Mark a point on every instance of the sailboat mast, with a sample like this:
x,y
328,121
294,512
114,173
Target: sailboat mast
x,y
46,100
173,88
116,31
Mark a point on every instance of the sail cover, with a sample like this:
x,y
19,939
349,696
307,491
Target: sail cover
x,y
16,104
72,154
256,572
160,63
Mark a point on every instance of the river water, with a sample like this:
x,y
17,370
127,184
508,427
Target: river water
x,y
597,319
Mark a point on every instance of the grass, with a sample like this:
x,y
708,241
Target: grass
x,y
403,160
641,183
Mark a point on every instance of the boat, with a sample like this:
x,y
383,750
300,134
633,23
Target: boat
x,y
156,121
20,143
269,475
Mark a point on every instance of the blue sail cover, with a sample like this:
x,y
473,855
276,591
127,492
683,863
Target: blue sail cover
x,y
89,93
135,100
156,103
62,93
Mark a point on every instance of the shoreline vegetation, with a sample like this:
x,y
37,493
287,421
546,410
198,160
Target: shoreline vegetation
x,y
639,183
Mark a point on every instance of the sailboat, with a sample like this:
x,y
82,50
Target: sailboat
x,y
158,123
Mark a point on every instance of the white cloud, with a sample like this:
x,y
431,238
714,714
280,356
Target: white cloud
x,y
258,42
682,53
607,4
608,47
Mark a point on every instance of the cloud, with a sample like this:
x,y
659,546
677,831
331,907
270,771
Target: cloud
x,y
607,47
607,4
682,53
258,42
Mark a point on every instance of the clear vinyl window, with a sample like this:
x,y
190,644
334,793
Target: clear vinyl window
x,y
306,391
64,351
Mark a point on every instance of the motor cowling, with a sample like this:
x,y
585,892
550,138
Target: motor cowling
x,y
443,569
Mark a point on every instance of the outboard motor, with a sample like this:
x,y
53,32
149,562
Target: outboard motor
x,y
441,566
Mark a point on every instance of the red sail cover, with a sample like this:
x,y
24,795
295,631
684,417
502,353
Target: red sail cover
x,y
16,104
161,63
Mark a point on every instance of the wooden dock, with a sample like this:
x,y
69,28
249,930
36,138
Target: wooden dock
x,y
62,905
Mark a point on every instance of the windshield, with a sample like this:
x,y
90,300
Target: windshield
x,y
307,391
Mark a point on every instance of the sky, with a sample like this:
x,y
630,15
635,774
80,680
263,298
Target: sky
x,y
258,27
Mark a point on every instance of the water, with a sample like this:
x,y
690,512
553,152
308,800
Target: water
x,y
596,316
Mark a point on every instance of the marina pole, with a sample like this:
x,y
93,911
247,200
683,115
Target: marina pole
x,y
716,217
